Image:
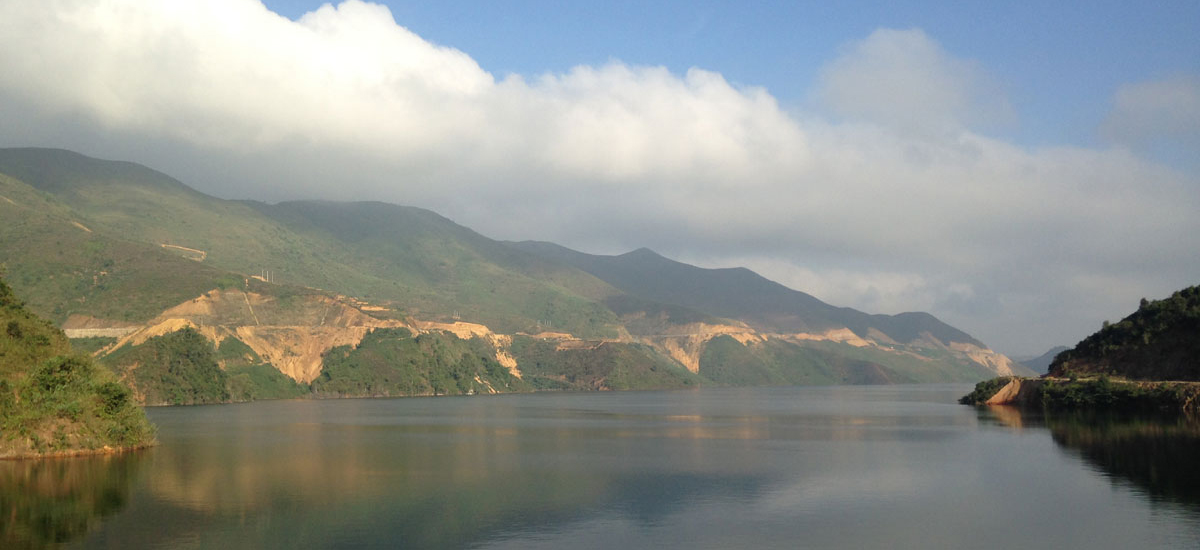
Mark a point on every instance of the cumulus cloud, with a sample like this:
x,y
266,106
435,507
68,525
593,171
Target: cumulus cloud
x,y
905,80
896,204
230,74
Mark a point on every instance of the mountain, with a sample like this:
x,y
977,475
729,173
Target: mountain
x,y
124,258
1041,363
741,294
414,259
1159,341
738,293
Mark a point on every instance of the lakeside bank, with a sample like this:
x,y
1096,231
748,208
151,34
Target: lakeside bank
x,y
1100,392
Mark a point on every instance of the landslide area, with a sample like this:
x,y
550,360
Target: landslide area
x,y
290,329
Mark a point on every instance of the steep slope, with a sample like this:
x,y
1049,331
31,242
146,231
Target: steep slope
x,y
1159,341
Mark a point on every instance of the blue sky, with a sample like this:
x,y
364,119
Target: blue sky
x,y
1059,62
1022,170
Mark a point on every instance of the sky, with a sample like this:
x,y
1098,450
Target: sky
x,y
1022,170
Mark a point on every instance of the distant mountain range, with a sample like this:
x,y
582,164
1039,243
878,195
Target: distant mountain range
x,y
743,295
123,254
1041,363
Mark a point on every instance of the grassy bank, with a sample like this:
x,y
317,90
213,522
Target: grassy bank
x,y
53,402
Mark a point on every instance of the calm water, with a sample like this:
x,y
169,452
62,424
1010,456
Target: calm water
x,y
844,467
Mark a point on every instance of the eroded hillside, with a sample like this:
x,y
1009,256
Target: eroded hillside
x,y
124,257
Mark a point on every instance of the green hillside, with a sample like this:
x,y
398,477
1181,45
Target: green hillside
x,y
776,362
738,293
181,368
1159,341
55,402
394,362
436,268
598,366
1149,361
384,253
114,244
63,266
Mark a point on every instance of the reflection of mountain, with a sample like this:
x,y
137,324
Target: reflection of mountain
x,y
1156,454
47,502
306,475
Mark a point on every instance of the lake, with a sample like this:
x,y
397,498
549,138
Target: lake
x,y
815,467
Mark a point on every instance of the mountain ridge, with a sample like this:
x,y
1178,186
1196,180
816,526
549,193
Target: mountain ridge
x,y
775,307
114,238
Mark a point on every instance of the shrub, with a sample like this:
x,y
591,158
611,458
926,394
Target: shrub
x,y
985,390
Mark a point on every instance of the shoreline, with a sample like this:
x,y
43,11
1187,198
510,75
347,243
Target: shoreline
x,y
1099,393
73,453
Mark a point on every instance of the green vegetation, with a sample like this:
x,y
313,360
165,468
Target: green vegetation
x,y
121,242
1142,363
985,390
1098,393
64,267
54,402
1159,341
597,366
234,351
775,362
261,381
249,378
1105,393
737,293
385,253
91,344
179,368
25,339
727,361
393,362
183,368
66,404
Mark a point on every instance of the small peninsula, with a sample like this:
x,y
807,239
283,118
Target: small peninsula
x,y
1150,360
54,402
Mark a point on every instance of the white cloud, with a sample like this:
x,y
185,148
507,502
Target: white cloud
x,y
1149,114
903,207
905,80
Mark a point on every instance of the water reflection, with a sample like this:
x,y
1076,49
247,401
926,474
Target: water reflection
x,y
52,501
422,473
718,468
1156,454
